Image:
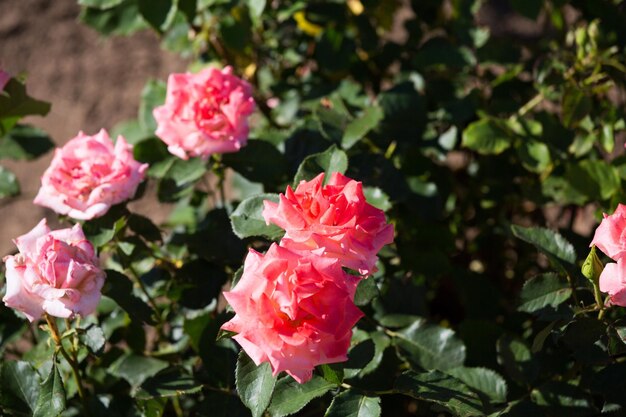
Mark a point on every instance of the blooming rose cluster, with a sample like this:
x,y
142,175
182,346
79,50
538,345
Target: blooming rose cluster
x,y
610,238
88,175
55,272
295,305
205,113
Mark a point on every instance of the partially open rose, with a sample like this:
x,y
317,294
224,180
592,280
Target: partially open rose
x,y
331,220
205,113
292,311
88,175
55,272
610,236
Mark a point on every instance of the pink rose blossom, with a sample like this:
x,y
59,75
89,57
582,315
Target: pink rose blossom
x,y
333,220
292,311
610,236
205,113
613,282
55,272
88,175
4,79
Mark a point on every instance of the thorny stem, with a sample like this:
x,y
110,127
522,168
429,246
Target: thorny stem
x,y
71,360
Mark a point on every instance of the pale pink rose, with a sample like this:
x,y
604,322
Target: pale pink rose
x,y
88,175
333,220
613,282
292,311
610,236
4,78
55,272
205,113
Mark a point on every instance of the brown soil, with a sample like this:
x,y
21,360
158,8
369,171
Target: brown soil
x,y
91,81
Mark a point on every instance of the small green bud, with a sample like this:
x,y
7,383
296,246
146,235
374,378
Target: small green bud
x,y
592,267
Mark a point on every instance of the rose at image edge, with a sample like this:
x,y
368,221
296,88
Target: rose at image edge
x,y
334,220
55,272
292,311
205,113
89,175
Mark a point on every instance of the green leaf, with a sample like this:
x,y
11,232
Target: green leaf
x,y
606,178
547,241
100,4
484,380
51,401
534,155
259,161
290,396
152,95
331,160
94,339
255,384
440,389
25,143
576,105
359,127
122,19
247,220
431,346
487,137
159,13
562,398
332,372
542,291
179,178
136,369
351,404
14,102
188,8
22,381
366,291
170,382
377,197
120,289
256,7
517,359
9,186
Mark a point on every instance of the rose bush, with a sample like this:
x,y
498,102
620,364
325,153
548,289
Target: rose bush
x,y
55,272
293,311
88,175
333,220
205,113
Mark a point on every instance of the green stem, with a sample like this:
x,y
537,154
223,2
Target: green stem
x,y
600,303
71,360
144,290
368,392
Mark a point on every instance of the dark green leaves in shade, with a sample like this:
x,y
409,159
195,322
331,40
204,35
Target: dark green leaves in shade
x,y
120,288
487,137
24,143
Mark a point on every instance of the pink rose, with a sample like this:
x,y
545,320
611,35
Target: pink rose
x,y
333,220
4,79
90,174
55,272
613,282
292,311
205,113
610,236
